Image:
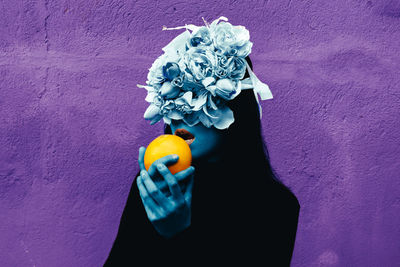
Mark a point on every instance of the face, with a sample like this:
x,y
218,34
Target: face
x,y
204,142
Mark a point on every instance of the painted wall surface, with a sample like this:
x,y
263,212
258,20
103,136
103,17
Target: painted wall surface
x,y
71,120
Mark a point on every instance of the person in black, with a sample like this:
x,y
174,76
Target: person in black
x,y
241,213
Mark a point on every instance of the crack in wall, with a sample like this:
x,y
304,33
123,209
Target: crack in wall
x,y
47,42
46,36
45,83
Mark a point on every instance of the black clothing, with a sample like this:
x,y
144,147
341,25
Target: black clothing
x,y
237,217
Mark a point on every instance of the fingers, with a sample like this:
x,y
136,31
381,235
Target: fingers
x,y
166,160
142,150
152,210
184,174
172,183
155,192
179,176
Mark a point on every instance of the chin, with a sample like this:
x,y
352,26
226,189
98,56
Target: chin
x,y
195,154
199,155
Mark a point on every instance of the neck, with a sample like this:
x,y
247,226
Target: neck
x,y
214,158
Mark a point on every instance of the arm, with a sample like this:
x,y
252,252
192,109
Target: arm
x,y
169,211
136,232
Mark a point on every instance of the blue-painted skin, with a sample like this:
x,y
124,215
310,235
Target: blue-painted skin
x,y
167,197
206,142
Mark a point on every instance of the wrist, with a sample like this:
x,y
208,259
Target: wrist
x,y
174,231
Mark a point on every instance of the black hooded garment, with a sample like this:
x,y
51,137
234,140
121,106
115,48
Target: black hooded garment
x,y
238,217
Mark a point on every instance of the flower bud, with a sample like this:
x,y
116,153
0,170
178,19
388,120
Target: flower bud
x,y
151,112
226,89
169,91
171,70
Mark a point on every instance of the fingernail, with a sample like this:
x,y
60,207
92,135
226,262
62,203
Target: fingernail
x,y
174,156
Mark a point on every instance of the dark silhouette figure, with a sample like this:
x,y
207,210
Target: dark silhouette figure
x,y
241,212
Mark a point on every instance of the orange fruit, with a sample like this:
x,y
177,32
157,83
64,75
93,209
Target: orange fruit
x,y
168,144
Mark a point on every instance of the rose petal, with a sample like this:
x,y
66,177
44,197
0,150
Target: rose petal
x,y
207,113
186,98
178,44
225,119
151,112
175,115
212,89
226,89
211,102
150,96
207,81
191,119
169,91
156,119
167,120
205,120
199,101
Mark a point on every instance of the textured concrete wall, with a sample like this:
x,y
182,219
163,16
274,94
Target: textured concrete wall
x,y
71,120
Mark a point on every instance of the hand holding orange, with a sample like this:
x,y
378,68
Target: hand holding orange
x,y
168,144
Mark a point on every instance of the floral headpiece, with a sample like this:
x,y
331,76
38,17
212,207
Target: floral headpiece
x,y
199,72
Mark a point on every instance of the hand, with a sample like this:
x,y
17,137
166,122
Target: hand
x,y
169,212
158,178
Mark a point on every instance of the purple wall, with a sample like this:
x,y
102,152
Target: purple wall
x,y
71,120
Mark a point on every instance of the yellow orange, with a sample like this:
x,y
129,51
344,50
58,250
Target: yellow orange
x,y
167,144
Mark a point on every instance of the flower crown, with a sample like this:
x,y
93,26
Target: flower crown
x,y
199,72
